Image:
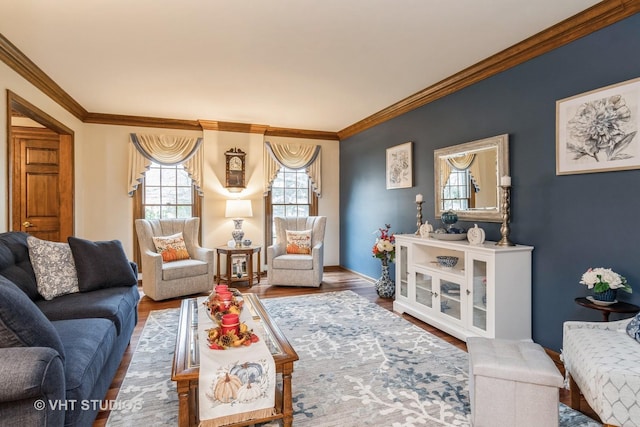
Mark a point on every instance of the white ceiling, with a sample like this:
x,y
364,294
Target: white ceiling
x,y
304,64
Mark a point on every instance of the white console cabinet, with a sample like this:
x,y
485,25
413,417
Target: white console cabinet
x,y
487,293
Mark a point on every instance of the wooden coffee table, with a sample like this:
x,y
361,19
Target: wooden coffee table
x,y
186,360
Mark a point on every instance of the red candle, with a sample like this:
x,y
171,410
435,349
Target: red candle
x,y
222,288
230,322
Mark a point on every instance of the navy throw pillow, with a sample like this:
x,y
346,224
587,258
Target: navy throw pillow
x,y
101,264
22,324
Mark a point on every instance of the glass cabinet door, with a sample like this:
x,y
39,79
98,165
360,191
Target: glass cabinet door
x,y
424,289
404,275
450,299
479,308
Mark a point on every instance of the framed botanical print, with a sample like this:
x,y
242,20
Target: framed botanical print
x,y
400,166
597,131
235,170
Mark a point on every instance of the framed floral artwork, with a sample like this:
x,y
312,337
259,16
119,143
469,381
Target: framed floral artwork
x,y
400,166
597,131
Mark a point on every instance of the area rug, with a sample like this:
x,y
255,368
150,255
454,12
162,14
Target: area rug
x,y
359,365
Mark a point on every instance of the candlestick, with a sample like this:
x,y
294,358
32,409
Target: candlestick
x,y
419,214
419,198
504,228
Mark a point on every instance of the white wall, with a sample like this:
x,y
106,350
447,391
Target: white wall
x,y
103,209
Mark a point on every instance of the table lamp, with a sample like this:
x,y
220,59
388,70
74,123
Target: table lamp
x,y
238,209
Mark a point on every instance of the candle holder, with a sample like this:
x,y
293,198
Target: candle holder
x,y
419,216
504,228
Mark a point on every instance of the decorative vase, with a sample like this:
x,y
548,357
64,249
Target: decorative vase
x,y
608,295
385,287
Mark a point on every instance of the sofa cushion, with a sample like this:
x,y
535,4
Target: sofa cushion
x,y
22,324
88,344
53,266
298,242
15,263
172,248
114,304
101,264
293,262
633,327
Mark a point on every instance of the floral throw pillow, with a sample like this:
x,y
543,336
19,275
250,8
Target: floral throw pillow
x,y
172,248
633,328
299,242
53,266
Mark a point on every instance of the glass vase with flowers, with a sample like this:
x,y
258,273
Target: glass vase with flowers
x,y
385,250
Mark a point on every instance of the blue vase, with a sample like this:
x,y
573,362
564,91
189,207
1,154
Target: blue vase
x,y
608,295
385,287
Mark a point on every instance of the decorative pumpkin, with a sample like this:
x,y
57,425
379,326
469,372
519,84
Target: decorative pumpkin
x,y
248,372
248,392
226,388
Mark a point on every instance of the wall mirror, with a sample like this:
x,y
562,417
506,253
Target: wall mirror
x,y
467,178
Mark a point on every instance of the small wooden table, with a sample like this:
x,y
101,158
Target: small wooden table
x,y
186,362
248,252
618,307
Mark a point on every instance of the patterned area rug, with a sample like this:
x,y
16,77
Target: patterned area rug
x,y
359,365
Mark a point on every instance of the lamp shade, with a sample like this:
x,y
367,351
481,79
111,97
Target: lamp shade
x,y
238,209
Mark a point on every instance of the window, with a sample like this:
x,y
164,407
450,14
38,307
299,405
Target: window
x,y
167,192
456,192
290,196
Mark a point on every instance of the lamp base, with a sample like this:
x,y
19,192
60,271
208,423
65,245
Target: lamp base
x,y
237,233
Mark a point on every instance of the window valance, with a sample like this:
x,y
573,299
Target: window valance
x,y
165,150
292,156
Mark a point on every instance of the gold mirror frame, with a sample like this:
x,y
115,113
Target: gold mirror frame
x,y
498,143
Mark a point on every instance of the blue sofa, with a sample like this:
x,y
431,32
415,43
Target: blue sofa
x,y
58,357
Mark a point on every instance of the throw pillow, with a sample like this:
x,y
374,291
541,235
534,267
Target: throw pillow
x,y
101,264
299,242
22,324
172,248
633,327
53,266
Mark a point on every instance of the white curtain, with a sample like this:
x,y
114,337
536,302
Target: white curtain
x,y
165,150
292,156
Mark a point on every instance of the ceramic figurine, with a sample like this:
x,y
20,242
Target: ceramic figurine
x,y
475,235
425,229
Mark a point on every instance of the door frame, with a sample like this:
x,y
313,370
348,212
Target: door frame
x,y
15,103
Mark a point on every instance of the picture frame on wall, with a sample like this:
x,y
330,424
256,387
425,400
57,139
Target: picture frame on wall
x,y
400,166
597,131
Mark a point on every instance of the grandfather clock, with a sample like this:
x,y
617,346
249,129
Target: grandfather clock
x,y
235,162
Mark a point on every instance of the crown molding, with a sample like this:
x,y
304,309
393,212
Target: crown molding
x,y
595,18
301,133
152,122
232,126
18,61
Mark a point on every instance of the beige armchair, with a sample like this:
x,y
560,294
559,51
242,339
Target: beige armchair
x,y
163,280
296,269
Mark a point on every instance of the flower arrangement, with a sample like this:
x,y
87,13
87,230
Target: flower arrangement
x,y
602,279
385,248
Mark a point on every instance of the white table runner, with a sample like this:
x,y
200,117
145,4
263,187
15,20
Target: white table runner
x,y
236,384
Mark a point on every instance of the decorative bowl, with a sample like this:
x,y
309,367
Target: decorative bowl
x,y
447,261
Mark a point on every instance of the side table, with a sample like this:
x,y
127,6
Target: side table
x,y
248,252
618,307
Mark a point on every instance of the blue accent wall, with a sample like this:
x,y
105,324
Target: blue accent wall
x,y
573,221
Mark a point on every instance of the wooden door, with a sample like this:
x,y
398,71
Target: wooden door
x,y
42,183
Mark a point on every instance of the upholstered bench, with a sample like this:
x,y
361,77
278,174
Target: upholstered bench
x,y
512,383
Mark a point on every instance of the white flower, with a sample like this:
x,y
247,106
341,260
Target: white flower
x,y
384,245
604,277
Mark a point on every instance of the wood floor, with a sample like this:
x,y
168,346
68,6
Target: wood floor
x,y
335,279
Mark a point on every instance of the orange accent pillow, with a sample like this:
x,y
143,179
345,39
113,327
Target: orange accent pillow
x,y
172,248
299,242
